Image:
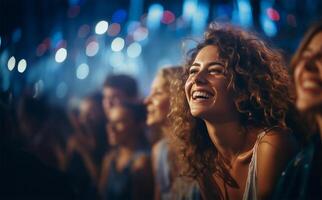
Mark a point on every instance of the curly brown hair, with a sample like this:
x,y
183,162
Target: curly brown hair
x,y
260,85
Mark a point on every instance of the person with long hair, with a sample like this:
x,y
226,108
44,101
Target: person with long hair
x,y
228,115
303,177
163,156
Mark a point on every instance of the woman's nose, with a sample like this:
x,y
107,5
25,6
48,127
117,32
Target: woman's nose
x,y
200,77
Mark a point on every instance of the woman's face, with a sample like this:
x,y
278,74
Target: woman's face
x,y
207,87
308,76
121,126
157,102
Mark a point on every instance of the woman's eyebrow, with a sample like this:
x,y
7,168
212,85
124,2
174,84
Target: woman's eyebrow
x,y
195,64
210,63
216,63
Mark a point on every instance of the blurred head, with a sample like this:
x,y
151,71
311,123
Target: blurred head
x,y
307,71
118,88
158,101
91,110
126,124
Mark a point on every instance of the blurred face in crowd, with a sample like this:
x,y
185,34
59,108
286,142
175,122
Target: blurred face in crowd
x,y
89,111
206,88
112,97
122,127
308,76
157,102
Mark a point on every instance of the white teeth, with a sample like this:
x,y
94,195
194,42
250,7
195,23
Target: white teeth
x,y
310,84
200,94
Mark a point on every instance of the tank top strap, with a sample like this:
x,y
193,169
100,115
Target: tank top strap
x,y
250,192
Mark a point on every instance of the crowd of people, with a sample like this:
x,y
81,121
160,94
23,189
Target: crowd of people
x,y
235,121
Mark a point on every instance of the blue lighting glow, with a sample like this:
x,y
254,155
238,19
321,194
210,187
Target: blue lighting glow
x,y
16,36
61,90
267,24
119,16
199,20
116,59
245,13
82,71
134,50
135,9
117,44
73,2
189,9
155,14
56,38
269,27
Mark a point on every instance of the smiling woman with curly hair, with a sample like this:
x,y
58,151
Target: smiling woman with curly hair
x,y
228,115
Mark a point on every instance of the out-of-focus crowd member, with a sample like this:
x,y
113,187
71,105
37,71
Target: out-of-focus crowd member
x,y
303,177
163,158
87,146
23,175
228,114
119,88
45,128
126,171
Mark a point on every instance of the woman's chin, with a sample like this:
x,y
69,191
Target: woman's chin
x,y
309,107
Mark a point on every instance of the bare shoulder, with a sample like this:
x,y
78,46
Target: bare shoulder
x,y
275,149
279,139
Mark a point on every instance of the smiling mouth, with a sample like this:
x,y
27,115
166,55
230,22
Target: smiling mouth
x,y
311,85
201,95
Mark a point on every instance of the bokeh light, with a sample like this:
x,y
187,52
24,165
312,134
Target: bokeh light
x,y
168,17
273,14
82,71
22,65
92,48
114,29
61,55
83,31
134,50
117,44
61,90
101,27
41,49
140,34
11,63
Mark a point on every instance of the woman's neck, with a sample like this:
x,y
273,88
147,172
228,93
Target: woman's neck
x,y
229,138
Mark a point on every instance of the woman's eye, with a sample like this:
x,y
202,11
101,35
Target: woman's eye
x,y
193,71
216,71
